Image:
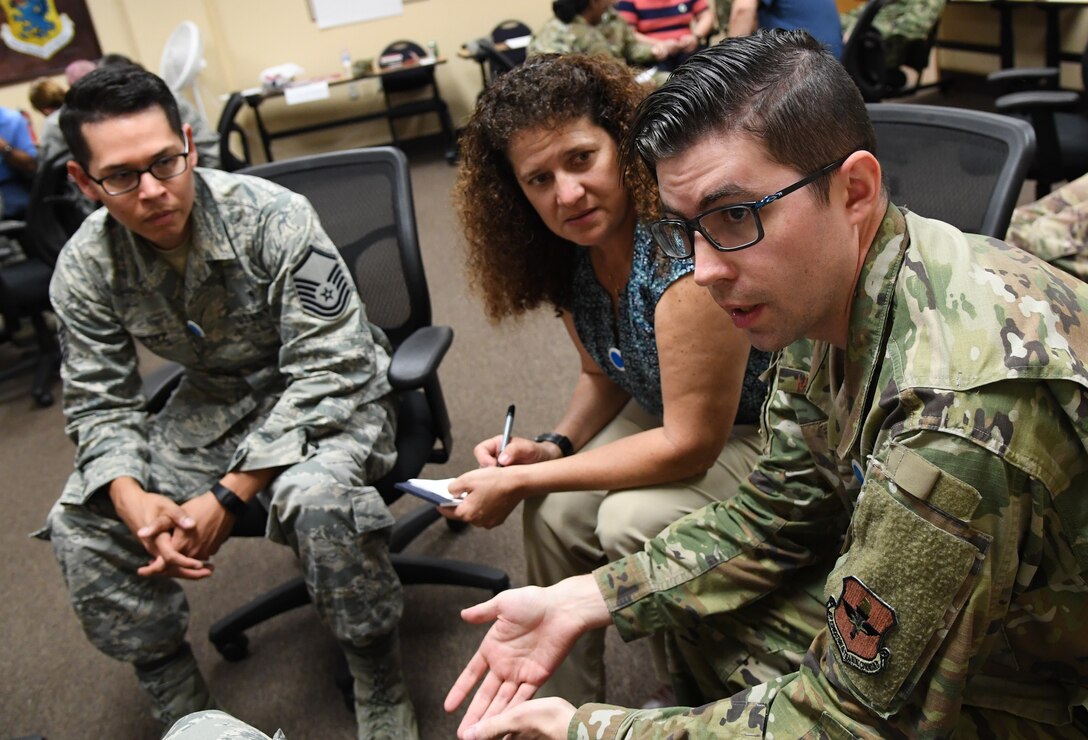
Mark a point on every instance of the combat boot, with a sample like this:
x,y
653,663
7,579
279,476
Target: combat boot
x,y
175,686
382,707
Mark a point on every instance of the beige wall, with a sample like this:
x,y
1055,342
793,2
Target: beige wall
x,y
237,47
977,22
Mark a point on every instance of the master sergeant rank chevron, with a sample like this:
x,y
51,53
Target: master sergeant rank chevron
x,y
322,286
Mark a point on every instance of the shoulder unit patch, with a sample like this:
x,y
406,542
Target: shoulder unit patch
x,y
322,286
858,623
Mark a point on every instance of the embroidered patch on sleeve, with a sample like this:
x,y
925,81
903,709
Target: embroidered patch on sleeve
x,y
322,286
858,623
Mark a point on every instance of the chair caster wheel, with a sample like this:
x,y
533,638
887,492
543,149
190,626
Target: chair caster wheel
x,y
234,649
44,399
455,525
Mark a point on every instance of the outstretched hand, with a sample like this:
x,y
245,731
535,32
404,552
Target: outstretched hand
x,y
534,629
531,720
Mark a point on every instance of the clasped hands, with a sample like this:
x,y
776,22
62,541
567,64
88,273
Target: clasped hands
x,y
180,538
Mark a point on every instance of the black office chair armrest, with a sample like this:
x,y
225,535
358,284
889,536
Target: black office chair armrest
x,y
417,358
1023,78
1026,102
160,383
11,226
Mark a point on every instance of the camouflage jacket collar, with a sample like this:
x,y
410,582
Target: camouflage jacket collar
x,y
850,371
211,238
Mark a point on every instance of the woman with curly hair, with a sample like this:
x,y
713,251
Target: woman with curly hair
x,y
663,418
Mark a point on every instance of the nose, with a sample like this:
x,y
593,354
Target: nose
x,y
150,187
568,189
712,266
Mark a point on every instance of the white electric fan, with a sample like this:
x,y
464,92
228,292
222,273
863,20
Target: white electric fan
x,y
182,60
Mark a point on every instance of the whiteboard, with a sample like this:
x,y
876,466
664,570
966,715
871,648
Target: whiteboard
x,y
329,13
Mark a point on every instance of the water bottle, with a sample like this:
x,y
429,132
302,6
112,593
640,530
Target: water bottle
x,y
432,46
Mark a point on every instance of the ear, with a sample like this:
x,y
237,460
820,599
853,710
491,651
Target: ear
x,y
864,191
86,186
187,132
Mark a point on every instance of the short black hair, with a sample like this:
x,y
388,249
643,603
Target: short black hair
x,y
782,88
108,92
565,10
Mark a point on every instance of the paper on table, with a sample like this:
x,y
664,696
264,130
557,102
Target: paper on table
x,y
435,491
306,93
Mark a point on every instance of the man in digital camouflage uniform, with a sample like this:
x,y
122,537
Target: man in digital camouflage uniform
x,y
1055,228
926,427
284,397
900,23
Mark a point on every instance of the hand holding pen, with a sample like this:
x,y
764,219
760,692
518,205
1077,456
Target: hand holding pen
x,y
507,430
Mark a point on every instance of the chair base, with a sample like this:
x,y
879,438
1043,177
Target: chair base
x,y
228,633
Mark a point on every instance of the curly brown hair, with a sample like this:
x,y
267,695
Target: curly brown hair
x,y
514,260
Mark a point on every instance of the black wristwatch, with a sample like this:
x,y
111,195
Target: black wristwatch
x,y
559,440
8,149
229,500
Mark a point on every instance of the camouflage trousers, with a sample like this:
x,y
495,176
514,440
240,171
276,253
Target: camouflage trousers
x,y
321,508
781,709
731,652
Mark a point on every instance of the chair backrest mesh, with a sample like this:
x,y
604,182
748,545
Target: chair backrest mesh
x,y
360,202
962,167
503,32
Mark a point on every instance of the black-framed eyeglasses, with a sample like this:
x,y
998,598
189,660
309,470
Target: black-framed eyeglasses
x,y
163,168
727,228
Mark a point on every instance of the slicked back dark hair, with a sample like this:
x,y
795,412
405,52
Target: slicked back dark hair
x,y
108,92
781,88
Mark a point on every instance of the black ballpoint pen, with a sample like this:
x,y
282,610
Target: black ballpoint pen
x,y
507,429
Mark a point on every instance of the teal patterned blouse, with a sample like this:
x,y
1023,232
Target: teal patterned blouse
x,y
625,347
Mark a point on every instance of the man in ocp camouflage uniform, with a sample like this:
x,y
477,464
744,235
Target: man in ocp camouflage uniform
x,y
1055,228
926,426
284,397
900,23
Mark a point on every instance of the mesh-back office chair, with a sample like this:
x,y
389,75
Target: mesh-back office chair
x,y
1059,117
413,78
960,166
230,131
864,56
54,213
364,200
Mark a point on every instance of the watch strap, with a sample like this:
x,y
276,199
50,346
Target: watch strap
x,y
229,500
561,441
